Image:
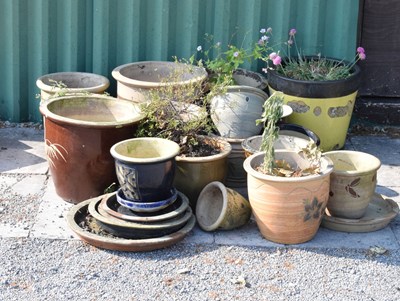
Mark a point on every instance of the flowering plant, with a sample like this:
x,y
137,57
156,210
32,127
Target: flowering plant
x,y
300,67
225,61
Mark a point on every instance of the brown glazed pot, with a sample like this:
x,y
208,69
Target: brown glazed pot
x,y
79,132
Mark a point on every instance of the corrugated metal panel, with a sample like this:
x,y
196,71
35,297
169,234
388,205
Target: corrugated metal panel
x,y
44,36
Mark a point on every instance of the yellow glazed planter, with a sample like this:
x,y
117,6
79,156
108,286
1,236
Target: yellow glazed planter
x,y
324,107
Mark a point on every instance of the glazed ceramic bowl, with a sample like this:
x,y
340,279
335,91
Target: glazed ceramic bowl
x,y
139,206
145,168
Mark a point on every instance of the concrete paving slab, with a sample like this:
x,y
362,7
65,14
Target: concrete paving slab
x,y
385,148
30,185
50,221
17,230
22,151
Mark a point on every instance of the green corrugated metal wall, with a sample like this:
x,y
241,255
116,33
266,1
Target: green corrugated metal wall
x,y
44,36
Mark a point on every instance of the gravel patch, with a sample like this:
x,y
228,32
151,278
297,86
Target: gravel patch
x,y
76,271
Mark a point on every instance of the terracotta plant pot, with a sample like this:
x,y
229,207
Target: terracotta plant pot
x,y
145,168
78,133
287,210
221,208
134,80
194,173
325,107
234,113
76,82
353,183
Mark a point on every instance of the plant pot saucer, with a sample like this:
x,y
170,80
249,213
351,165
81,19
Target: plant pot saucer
x,y
79,213
110,205
135,230
380,212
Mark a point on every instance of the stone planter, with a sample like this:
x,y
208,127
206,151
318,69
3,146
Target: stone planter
x,y
75,82
134,80
79,132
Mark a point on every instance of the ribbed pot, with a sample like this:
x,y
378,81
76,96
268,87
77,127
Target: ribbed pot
x,y
325,107
135,80
194,173
287,210
78,133
353,183
75,82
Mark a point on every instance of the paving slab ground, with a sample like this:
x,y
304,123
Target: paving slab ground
x,y
43,260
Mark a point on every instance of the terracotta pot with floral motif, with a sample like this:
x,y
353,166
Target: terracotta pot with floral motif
x,y
287,210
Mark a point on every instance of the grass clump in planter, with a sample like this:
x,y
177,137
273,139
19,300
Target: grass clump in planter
x,y
273,110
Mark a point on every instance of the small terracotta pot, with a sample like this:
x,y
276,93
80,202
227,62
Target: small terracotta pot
x,y
287,210
221,208
145,168
353,183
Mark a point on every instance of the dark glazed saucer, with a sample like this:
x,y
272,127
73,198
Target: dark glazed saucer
x,y
110,205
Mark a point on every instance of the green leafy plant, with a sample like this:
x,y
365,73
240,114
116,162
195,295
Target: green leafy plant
x,y
273,110
178,113
300,67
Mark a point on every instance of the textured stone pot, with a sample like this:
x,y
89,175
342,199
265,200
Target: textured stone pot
x,y
244,77
78,134
194,173
145,168
134,80
325,107
236,175
287,210
353,183
234,113
221,208
76,82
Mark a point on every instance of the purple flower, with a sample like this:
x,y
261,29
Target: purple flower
x,y
236,54
362,56
277,60
263,30
290,42
260,42
360,50
264,38
199,48
292,32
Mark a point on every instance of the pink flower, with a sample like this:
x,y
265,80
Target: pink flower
x,y
277,60
272,55
362,56
292,32
360,50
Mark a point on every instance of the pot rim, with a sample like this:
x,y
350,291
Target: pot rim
x,y
116,73
247,89
172,147
248,166
221,187
373,162
105,83
226,150
93,124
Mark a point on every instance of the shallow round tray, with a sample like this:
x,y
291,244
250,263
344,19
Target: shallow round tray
x,y
148,206
134,230
78,213
110,205
379,213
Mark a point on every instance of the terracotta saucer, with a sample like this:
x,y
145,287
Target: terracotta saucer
x,y
380,212
110,205
78,214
